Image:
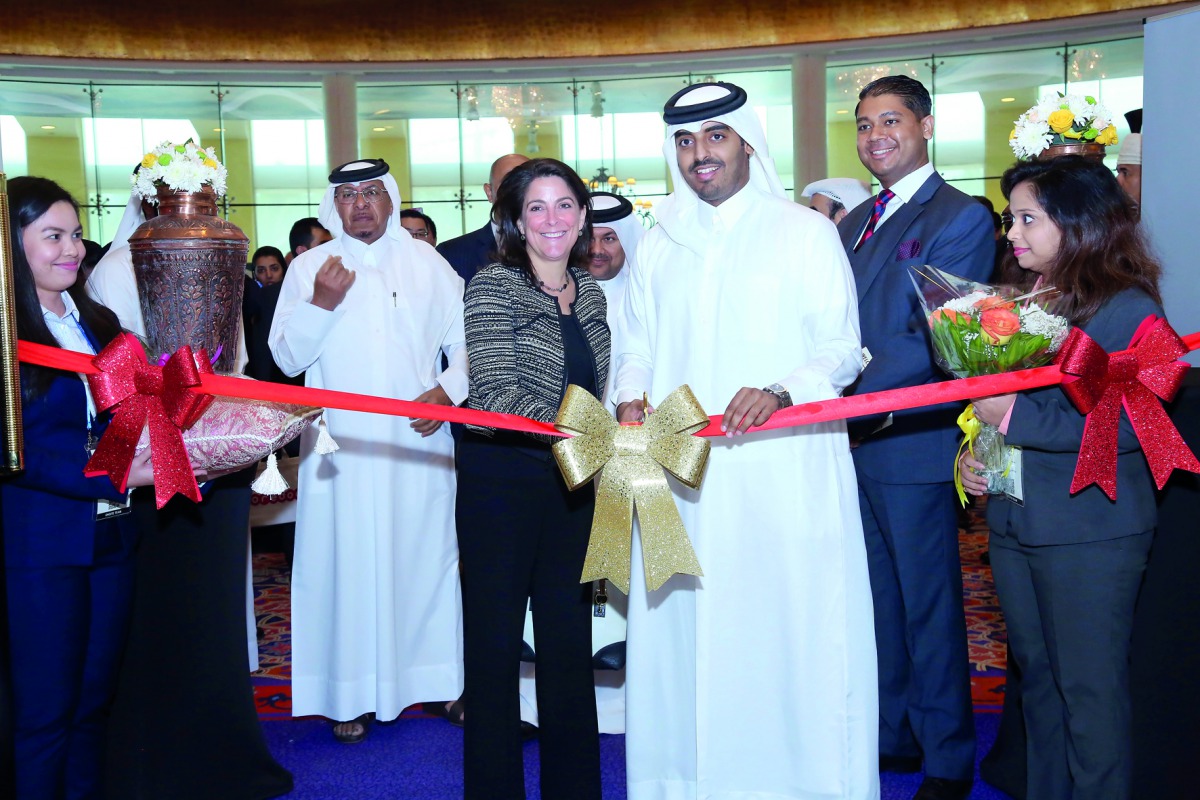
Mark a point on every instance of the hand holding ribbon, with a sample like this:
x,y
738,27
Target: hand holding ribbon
x,y
633,458
1099,384
144,393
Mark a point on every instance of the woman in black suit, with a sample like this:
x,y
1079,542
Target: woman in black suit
x,y
1068,567
535,322
69,572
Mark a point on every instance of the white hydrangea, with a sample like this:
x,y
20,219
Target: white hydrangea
x,y
966,303
1035,320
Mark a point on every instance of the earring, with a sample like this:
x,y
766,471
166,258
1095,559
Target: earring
x,y
522,237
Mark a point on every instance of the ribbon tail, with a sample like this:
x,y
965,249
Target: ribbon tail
x,y
666,549
1098,451
1164,448
172,469
970,426
115,451
611,538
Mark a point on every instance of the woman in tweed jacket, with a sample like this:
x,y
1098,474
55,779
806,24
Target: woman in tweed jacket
x,y
535,322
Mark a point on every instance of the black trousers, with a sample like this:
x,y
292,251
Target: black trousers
x,y
523,536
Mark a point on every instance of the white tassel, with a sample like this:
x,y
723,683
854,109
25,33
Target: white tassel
x,y
271,482
325,443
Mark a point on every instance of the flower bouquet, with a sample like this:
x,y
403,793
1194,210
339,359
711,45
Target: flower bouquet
x,y
183,167
981,329
1064,119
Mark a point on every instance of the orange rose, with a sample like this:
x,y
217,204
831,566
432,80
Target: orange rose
x,y
946,315
999,325
983,304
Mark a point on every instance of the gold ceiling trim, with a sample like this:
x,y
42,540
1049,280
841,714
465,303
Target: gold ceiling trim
x,y
374,31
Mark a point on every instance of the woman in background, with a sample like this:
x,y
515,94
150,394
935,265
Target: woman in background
x,y
68,539
1068,567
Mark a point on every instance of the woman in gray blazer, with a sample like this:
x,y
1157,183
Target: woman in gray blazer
x,y
1068,566
535,322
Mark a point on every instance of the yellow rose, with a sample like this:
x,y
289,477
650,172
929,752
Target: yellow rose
x,y
1062,120
208,162
1107,136
1012,135
1072,134
149,160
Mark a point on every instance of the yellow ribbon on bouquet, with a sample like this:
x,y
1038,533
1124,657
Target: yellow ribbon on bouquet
x,y
633,458
970,425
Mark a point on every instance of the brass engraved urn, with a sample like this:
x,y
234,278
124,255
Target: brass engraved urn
x,y
1089,150
190,267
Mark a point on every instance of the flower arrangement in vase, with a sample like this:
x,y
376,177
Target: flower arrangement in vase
x,y
183,167
1062,120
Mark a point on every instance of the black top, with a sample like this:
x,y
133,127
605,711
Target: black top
x,y
581,364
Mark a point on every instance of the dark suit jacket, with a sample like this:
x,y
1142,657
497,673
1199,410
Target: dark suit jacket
x,y
470,252
941,227
49,510
1050,429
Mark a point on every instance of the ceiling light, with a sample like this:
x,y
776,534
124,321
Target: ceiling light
x,y
1007,99
841,111
379,130
47,127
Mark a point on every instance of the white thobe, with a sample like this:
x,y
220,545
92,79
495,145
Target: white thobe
x,y
376,606
757,680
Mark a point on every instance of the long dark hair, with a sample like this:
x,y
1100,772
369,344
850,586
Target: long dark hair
x,y
510,203
1102,250
28,199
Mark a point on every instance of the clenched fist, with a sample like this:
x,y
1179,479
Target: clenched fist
x,y
331,284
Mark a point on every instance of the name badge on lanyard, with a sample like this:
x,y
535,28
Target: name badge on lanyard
x,y
106,509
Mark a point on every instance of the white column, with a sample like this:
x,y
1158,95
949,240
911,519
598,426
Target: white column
x,y
809,157
341,119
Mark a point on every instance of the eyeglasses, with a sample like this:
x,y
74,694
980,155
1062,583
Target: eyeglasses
x,y
372,194
418,234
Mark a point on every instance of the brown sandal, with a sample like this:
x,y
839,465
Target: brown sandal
x,y
353,736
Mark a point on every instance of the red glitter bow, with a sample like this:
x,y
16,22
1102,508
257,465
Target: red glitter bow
x,y
1099,384
146,393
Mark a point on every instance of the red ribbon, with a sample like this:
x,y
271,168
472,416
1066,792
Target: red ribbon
x,y
147,394
802,414
1099,384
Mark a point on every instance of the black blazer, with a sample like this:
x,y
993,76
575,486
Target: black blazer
x,y
470,252
942,227
1049,428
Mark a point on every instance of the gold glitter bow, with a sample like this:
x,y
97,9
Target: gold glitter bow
x,y
633,458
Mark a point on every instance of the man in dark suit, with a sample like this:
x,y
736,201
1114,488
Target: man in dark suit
x,y
471,251
905,461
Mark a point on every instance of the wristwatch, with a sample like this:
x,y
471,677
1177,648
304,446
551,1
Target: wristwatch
x,y
785,398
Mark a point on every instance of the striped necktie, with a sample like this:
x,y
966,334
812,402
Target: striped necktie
x,y
876,213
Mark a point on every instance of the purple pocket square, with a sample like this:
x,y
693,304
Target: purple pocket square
x,y
908,249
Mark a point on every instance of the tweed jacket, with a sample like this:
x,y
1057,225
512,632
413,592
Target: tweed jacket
x,y
515,343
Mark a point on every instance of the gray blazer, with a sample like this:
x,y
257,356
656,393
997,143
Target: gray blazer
x,y
515,344
1049,428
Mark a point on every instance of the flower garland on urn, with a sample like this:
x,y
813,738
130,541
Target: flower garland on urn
x,y
1063,124
189,263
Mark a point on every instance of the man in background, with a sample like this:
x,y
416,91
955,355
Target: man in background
x,y
835,197
306,234
419,226
472,251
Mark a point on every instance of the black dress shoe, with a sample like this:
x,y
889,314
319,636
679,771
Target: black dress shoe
x,y
906,764
943,789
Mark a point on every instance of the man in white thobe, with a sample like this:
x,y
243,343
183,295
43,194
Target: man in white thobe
x,y
758,679
376,607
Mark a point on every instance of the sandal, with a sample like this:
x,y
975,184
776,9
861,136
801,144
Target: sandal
x,y
455,713
352,731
